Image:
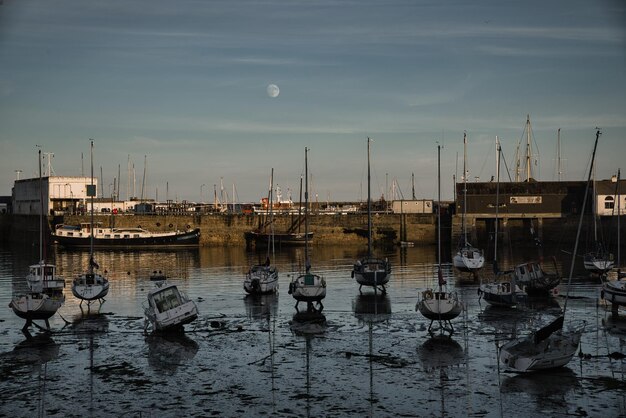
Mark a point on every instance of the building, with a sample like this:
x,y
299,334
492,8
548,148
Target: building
x,y
60,194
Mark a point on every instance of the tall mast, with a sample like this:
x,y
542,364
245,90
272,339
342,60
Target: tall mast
x,y
369,203
580,221
143,180
495,238
464,187
619,212
270,199
528,148
558,153
41,258
439,272
91,219
306,210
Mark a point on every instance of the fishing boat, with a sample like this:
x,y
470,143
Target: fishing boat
x,y
167,308
551,346
308,287
91,285
504,291
532,277
45,288
263,278
439,304
599,260
369,270
467,258
123,237
614,291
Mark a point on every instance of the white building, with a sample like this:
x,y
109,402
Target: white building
x,y
412,206
60,194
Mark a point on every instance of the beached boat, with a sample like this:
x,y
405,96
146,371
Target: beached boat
x,y
308,287
369,270
45,289
467,258
80,236
263,278
167,308
534,279
91,285
504,291
439,305
551,346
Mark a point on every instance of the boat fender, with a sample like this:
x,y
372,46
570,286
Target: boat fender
x,y
428,294
171,225
188,226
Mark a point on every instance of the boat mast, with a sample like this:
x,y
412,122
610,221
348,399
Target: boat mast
x,y
270,238
439,273
306,210
369,203
580,222
41,256
558,146
91,219
495,238
464,188
528,148
619,198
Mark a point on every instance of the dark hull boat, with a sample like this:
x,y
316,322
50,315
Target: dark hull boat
x,y
260,239
72,236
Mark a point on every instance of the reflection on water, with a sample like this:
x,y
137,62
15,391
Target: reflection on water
x,y
314,363
547,389
261,306
168,351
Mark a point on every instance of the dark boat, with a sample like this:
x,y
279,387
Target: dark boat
x,y
259,239
79,236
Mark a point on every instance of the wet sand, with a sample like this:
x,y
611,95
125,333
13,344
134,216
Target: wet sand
x,y
365,356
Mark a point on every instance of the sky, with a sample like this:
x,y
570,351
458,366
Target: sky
x,y
182,86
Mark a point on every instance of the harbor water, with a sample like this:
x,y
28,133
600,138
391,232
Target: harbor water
x,y
368,355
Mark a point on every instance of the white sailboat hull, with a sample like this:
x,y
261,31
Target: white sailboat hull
x,y
468,259
557,350
614,292
439,306
90,286
36,306
597,265
261,280
371,272
308,288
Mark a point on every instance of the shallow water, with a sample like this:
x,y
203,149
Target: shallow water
x,y
250,356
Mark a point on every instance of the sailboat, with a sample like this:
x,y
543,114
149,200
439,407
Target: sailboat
x,y
45,295
263,278
550,346
91,286
439,305
369,270
308,287
504,292
614,291
599,260
467,258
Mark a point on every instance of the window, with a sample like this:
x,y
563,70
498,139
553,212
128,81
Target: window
x,y
609,203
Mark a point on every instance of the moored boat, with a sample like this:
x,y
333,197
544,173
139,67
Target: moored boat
x,y
79,236
167,308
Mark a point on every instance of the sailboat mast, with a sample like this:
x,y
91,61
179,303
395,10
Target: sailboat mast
x,y
464,187
495,238
306,210
558,157
619,212
369,203
528,148
91,218
271,204
41,258
580,222
439,274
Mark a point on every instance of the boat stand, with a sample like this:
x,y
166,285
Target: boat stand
x,y
30,322
444,326
310,307
89,302
376,289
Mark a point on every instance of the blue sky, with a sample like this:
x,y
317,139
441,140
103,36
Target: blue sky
x,y
184,83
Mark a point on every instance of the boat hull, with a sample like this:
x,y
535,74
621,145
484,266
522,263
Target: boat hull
x,y
614,292
468,260
35,306
439,309
598,265
260,239
179,239
499,294
524,355
372,272
261,280
308,288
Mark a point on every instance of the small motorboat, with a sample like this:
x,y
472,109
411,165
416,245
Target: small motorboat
x,y
167,308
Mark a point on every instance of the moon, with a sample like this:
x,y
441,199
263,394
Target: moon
x,y
273,90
